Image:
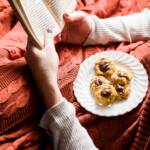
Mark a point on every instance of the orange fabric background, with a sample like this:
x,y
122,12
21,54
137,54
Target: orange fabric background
x,y
20,105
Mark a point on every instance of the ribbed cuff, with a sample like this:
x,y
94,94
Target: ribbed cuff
x,y
57,114
90,40
66,131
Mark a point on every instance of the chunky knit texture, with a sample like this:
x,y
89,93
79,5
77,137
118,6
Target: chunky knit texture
x,y
16,97
21,131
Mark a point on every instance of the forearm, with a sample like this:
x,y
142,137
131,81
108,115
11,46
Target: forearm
x,y
67,133
51,93
117,29
60,119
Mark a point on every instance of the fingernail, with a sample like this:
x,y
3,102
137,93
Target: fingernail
x,y
66,15
49,31
59,37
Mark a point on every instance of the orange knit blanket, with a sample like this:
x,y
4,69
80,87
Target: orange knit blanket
x,y
20,102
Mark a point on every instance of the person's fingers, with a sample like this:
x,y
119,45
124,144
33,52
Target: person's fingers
x,y
28,49
49,42
66,17
64,33
57,38
74,17
29,46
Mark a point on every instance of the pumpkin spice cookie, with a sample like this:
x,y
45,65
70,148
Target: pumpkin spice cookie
x,y
104,67
121,77
109,84
123,91
105,95
97,81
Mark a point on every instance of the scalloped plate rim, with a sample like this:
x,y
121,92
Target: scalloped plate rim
x,y
98,54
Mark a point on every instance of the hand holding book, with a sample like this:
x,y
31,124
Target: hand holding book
x,y
77,28
37,16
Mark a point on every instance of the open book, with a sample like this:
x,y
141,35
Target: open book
x,y
37,16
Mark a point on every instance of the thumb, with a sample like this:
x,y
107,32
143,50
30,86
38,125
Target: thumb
x,y
48,39
74,17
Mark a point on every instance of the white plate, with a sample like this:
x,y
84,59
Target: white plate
x,y
139,84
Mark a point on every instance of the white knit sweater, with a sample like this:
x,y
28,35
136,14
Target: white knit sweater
x,y
67,133
118,29
60,121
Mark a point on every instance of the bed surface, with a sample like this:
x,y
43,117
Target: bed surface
x,y
19,98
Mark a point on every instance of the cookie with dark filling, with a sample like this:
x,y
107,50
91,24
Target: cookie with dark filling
x,y
121,77
123,91
110,84
104,67
97,82
106,95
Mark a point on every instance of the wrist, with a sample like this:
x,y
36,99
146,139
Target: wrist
x,y
51,94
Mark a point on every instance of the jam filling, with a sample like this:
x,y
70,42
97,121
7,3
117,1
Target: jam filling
x,y
105,93
104,66
120,88
98,82
121,74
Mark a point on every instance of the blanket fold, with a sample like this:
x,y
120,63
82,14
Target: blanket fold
x,y
20,106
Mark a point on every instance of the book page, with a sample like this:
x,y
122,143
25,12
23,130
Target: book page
x,y
39,18
59,7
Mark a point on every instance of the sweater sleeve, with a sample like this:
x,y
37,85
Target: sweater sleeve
x,y
118,29
66,131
